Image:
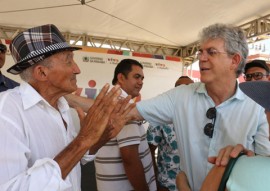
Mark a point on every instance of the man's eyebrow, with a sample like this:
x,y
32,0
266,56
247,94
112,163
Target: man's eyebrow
x,y
200,49
69,55
137,74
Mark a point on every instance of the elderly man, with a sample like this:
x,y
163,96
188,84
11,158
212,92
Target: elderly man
x,y
39,147
5,82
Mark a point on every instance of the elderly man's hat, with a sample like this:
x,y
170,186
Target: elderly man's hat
x,y
36,44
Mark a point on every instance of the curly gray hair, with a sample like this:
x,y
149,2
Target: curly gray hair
x,y
234,41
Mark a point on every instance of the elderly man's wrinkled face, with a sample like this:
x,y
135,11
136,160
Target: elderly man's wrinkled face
x,y
62,72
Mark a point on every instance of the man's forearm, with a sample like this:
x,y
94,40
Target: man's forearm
x,y
134,167
136,176
70,156
78,101
213,178
135,115
182,182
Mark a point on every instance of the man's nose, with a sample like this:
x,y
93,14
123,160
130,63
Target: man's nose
x,y
76,69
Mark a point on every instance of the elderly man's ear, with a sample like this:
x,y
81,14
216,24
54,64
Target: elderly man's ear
x,y
40,73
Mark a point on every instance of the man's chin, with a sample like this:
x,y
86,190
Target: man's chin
x,y
73,88
135,95
204,78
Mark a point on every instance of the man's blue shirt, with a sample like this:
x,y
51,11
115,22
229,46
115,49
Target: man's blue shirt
x,y
7,83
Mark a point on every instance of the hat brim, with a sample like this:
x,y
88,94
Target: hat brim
x,y
20,66
259,91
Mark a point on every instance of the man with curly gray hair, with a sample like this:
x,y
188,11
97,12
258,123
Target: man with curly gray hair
x,y
213,119
214,113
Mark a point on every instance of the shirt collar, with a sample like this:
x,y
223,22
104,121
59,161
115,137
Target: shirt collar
x,y
123,93
238,94
31,97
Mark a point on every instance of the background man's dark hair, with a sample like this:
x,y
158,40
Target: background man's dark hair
x,y
184,77
257,63
124,67
183,80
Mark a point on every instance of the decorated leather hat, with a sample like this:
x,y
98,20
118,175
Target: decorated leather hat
x,y
36,44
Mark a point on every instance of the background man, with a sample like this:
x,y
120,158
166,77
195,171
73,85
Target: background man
x,y
163,137
5,82
183,80
40,149
256,70
125,162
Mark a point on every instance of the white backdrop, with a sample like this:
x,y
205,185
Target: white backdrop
x,y
98,68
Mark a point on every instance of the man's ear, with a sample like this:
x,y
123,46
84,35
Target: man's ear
x,y
120,77
236,59
40,73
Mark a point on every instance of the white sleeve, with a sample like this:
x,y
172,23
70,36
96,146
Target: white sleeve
x,y
158,110
87,158
16,173
45,174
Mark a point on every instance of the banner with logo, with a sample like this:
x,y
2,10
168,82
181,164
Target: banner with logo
x,y
97,68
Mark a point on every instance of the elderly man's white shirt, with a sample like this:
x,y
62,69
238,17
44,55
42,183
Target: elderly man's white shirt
x,y
32,133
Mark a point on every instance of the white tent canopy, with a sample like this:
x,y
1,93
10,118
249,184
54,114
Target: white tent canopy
x,y
170,22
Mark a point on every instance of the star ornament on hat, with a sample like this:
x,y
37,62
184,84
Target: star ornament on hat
x,y
36,44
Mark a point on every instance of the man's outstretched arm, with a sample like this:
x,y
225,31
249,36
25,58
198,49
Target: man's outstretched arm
x,y
75,101
85,103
